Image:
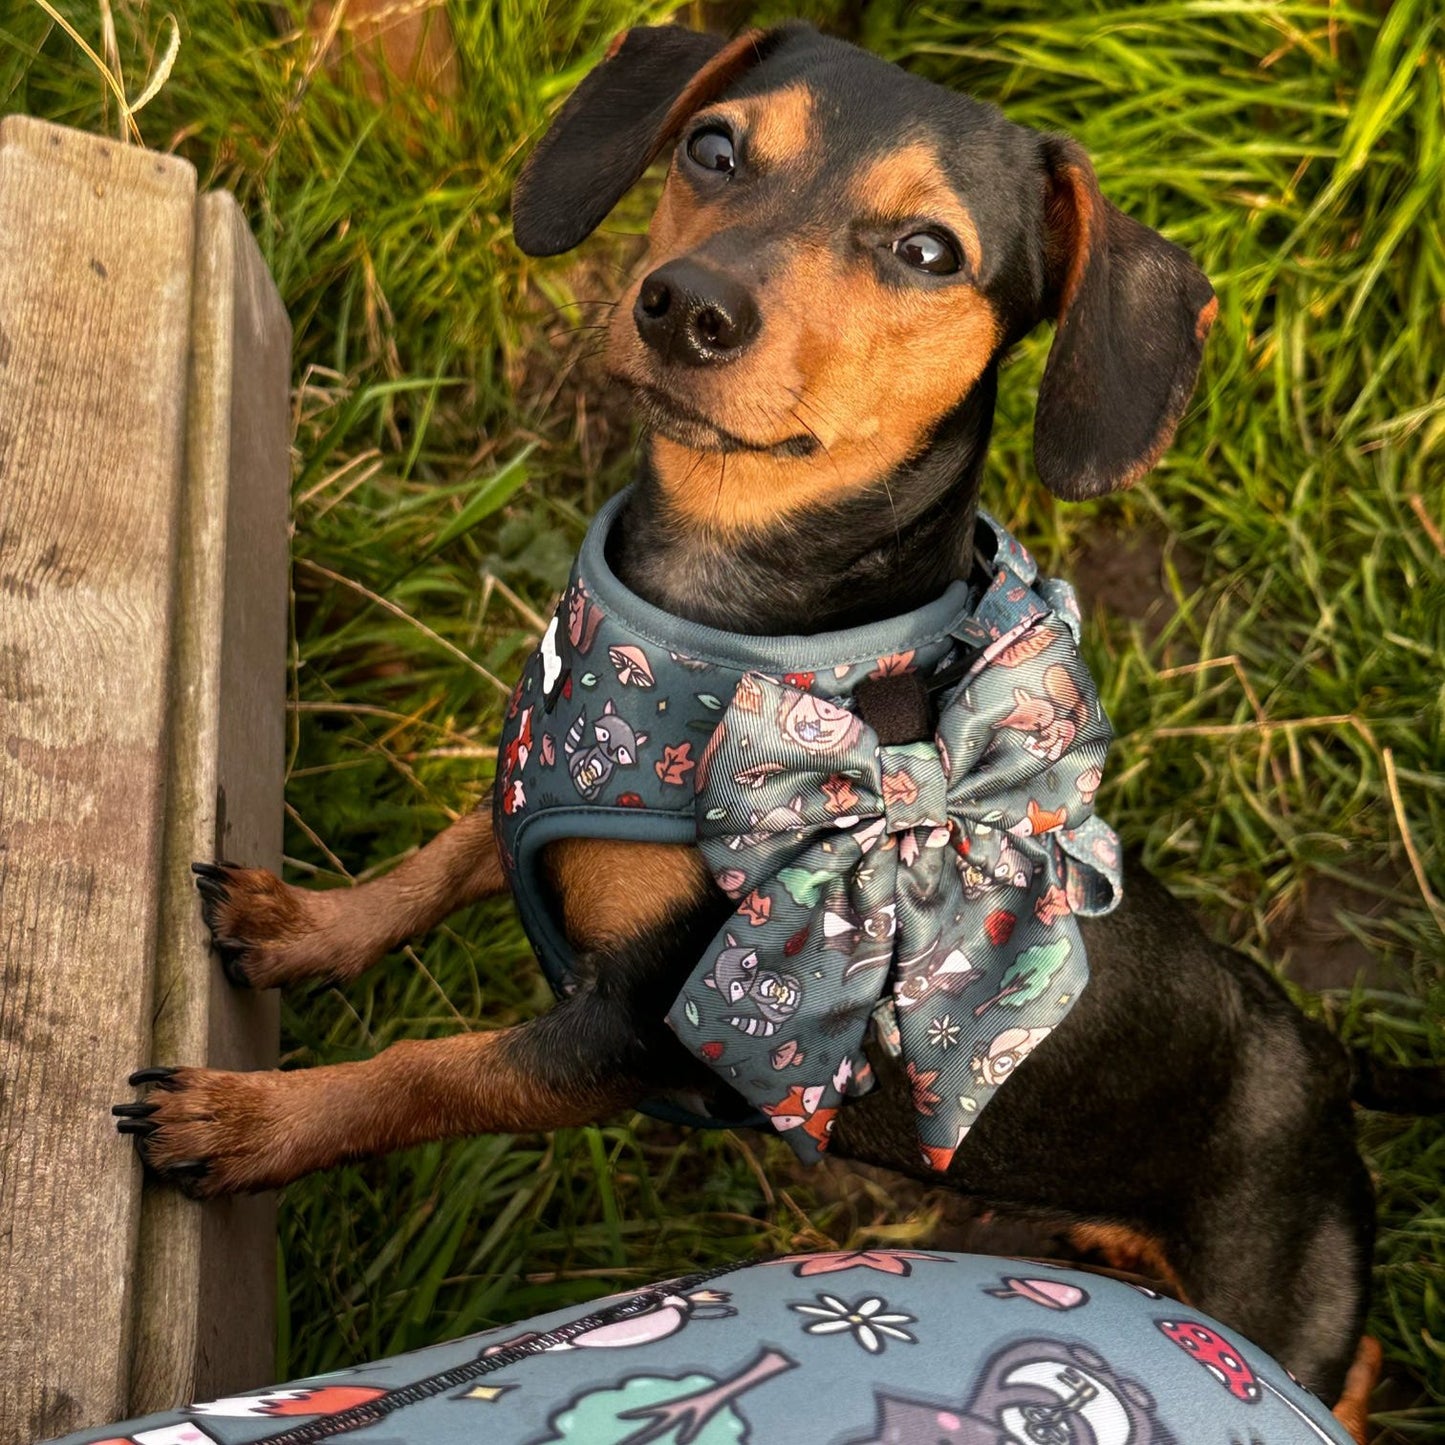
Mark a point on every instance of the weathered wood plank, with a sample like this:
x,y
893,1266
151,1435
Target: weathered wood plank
x,y
205,1316
95,293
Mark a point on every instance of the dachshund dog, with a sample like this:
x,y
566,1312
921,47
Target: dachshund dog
x,y
840,260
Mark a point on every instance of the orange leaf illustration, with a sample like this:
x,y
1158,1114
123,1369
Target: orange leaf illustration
x,y
894,665
842,796
1053,906
675,764
1027,647
757,908
899,788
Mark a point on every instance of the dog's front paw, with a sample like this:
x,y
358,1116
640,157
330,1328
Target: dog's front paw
x,y
267,933
206,1131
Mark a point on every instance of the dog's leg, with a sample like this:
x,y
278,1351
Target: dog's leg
x,y
214,1132
269,933
1352,1409
1289,1272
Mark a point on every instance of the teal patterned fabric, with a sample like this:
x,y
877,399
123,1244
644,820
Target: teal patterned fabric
x,y
849,863
930,888
861,1347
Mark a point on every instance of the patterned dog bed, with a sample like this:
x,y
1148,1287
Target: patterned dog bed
x,y
878,1347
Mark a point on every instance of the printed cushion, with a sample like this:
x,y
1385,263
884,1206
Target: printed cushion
x,y
877,1347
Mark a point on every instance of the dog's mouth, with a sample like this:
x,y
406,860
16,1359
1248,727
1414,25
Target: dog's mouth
x,y
688,427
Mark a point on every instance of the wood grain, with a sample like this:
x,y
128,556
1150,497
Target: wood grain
x,y
95,291
205,1305
144,467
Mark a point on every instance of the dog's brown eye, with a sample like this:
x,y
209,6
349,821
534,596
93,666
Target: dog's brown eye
x,y
712,149
927,251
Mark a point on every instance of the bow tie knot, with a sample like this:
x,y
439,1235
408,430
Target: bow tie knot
x,y
913,786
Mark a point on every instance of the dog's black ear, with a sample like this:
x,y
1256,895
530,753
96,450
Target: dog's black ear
x,y
622,116
1133,311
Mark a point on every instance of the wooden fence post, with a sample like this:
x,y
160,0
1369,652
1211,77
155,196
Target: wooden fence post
x,y
143,477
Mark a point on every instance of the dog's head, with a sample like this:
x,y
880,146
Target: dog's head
x,y
842,251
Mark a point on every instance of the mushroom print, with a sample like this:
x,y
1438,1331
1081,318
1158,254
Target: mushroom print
x,y
1217,1356
1053,1294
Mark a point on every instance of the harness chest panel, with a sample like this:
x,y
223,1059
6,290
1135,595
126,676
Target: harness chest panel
x,y
872,882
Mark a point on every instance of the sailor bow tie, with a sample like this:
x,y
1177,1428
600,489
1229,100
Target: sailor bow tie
x,y
931,888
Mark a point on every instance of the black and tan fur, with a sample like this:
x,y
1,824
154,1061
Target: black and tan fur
x,y
807,395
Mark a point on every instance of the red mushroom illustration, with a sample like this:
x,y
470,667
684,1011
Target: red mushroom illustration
x,y
1217,1356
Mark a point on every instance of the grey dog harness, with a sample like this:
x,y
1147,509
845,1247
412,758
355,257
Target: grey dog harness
x,y
844,855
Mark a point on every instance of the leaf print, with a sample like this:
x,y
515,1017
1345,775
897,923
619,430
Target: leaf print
x,y
675,764
921,1083
1028,647
899,788
787,1055
894,665
588,679
885,1261
1052,905
757,908
1088,783
757,775
804,885
691,1013
632,666
709,701
842,796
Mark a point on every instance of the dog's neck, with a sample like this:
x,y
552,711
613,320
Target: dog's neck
x,y
890,547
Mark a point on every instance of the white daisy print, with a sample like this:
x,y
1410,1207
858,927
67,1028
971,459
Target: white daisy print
x,y
943,1032
863,1320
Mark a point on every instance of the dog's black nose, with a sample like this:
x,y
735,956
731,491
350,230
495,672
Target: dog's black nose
x,y
693,315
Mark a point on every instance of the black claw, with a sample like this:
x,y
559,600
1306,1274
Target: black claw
x,y
218,869
143,1127
133,1111
157,1074
190,1168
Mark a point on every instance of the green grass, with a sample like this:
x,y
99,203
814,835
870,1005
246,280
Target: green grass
x,y
451,442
